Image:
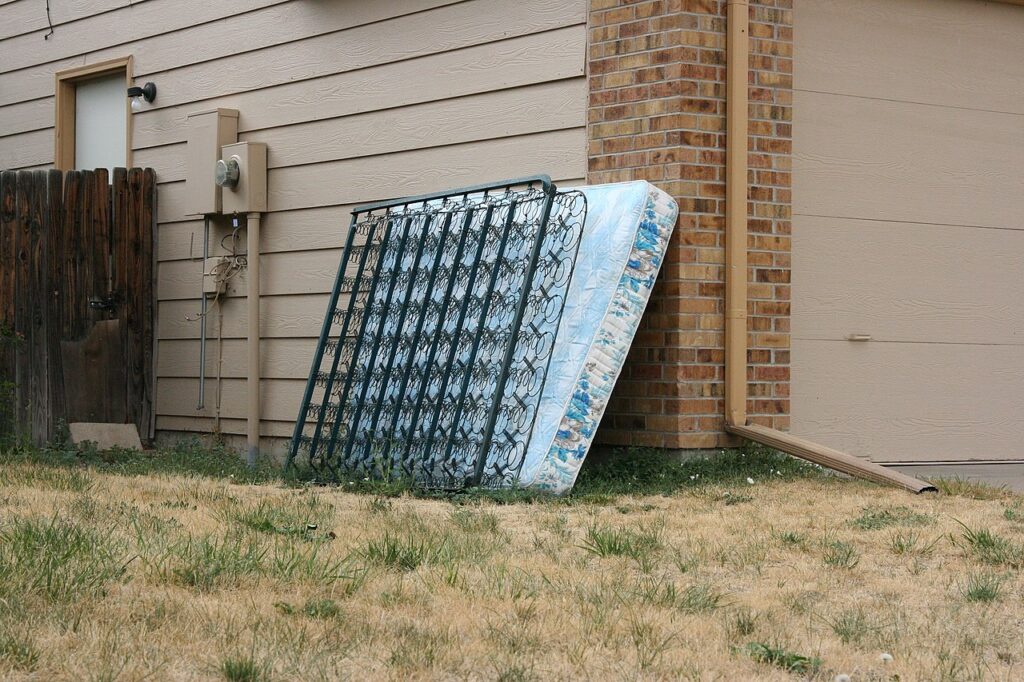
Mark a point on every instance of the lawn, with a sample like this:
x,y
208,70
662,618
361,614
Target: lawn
x,y
746,566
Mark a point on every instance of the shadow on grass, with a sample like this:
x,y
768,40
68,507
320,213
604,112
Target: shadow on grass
x,y
633,471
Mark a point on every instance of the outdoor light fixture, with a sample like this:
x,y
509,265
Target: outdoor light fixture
x,y
146,92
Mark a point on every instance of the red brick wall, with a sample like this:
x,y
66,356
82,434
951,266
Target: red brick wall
x,y
657,112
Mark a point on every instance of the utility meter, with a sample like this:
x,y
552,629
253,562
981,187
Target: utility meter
x,y
226,174
242,172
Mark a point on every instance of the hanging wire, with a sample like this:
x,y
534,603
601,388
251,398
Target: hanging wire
x,y
49,22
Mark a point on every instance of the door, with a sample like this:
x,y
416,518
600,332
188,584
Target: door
x,y
908,228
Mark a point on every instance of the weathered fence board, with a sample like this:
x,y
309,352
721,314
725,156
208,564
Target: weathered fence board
x,y
76,297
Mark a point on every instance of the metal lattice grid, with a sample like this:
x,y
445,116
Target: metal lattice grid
x,y
440,327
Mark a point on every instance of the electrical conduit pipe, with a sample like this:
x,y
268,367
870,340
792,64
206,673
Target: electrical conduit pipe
x,y
737,70
253,341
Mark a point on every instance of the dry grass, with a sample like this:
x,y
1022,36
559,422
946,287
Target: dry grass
x,y
106,576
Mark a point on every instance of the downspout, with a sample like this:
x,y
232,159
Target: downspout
x,y
737,70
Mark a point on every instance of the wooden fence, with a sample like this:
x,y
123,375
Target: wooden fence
x,y
76,298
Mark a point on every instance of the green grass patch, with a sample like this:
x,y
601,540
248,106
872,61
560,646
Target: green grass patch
x,y
976,490
648,471
243,669
984,588
297,516
17,651
209,563
991,548
853,626
57,559
634,471
605,541
839,554
407,552
876,518
781,657
51,478
186,458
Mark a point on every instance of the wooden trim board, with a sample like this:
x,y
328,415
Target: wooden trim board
x,y
64,116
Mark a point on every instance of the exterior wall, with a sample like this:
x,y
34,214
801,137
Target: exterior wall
x,y
917,171
357,101
657,112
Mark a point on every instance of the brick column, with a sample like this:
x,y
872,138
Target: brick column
x,y
657,113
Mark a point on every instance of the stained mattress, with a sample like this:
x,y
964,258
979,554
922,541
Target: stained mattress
x,y
625,237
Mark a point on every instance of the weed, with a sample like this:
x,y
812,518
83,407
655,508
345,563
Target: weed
x,y
781,657
58,559
321,608
650,645
851,626
401,553
485,522
416,648
515,673
243,669
207,563
292,561
976,490
50,478
909,542
990,548
839,554
647,471
697,598
982,587
793,538
605,541
875,518
17,651
291,516
378,505
700,598
742,623
514,634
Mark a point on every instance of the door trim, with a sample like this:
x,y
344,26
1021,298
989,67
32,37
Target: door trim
x,y
64,118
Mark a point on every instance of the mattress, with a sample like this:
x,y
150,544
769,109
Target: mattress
x,y
625,237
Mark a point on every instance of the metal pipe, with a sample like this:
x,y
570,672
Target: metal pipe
x,y
253,341
202,317
737,56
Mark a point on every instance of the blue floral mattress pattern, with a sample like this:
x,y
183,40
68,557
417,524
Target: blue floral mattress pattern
x,y
624,241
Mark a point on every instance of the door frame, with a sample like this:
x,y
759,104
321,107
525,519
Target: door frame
x,y
64,118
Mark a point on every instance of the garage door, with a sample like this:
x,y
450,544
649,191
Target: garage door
x,y
908,230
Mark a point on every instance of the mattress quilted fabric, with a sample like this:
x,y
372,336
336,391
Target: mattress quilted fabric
x,y
625,238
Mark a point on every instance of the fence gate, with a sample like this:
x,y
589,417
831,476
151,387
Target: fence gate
x,y
76,298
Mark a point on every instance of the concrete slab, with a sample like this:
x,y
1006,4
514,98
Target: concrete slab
x,y
106,436
1008,474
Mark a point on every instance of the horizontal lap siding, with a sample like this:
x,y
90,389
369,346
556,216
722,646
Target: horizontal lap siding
x,y
909,227
356,102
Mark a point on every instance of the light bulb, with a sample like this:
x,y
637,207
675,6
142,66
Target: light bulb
x,y
136,103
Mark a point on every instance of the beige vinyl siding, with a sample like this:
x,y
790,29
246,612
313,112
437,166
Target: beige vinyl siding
x,y
357,101
908,201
